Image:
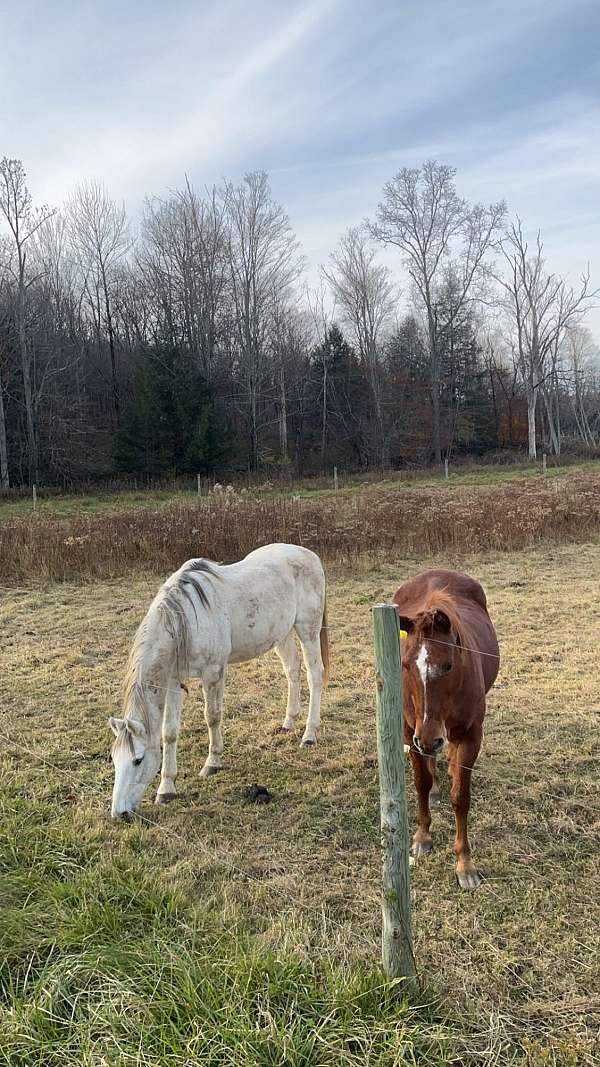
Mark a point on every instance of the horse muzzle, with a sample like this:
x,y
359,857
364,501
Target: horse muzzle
x,y
428,750
123,816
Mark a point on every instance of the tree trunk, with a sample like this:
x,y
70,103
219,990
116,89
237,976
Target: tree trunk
x,y
324,419
27,391
4,479
556,406
111,343
283,434
531,406
436,436
553,429
495,408
383,445
253,424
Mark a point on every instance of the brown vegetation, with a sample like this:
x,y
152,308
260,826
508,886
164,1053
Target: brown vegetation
x,y
339,527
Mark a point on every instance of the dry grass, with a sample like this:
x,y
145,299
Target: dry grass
x,y
379,523
513,968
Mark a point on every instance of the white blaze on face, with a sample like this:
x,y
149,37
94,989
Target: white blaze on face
x,y
422,668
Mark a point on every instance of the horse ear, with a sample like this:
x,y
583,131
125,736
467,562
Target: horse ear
x,y
406,623
116,725
137,728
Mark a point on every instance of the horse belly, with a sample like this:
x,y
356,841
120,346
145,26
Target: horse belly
x,y
260,626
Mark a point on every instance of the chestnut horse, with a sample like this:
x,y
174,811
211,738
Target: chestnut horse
x,y
450,660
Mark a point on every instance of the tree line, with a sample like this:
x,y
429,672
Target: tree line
x,y
195,345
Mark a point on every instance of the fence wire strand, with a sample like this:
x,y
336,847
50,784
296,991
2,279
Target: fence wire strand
x,y
229,865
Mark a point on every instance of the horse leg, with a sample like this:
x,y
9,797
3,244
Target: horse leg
x,y
170,733
213,682
421,842
311,651
434,795
462,759
287,650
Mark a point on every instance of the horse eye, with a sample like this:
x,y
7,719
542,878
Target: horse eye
x,y
136,762
446,667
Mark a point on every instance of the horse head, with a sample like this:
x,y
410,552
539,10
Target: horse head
x,y
432,660
135,761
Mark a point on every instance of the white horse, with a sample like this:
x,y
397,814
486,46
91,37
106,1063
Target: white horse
x,y
204,617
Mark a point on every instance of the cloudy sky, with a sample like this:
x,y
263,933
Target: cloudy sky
x,y
331,97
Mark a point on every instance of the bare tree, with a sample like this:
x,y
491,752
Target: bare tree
x,y
367,297
422,215
278,339
4,301
322,315
581,357
503,375
184,256
263,258
540,307
99,234
23,222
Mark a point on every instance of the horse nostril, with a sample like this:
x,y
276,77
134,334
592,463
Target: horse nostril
x,y
429,750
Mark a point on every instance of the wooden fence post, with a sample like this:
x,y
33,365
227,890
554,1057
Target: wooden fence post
x,y
446,467
544,462
335,478
397,949
199,487
34,497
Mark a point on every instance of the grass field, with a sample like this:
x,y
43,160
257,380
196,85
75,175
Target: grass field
x,y
105,503
219,932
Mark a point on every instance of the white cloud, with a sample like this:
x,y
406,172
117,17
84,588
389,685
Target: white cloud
x,y
330,96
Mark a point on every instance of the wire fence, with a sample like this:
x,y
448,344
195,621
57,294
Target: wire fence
x,y
517,786
537,1019
195,845
543,872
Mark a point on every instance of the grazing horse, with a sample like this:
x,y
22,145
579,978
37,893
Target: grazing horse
x,y
450,660
204,617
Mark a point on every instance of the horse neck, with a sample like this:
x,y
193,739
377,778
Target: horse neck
x,y
149,677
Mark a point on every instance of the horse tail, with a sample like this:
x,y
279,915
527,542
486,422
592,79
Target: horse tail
x,y
324,638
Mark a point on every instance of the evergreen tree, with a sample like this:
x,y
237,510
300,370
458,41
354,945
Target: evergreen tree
x,y
468,419
169,425
347,398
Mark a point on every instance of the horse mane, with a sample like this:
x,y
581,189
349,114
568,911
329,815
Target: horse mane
x,y
169,603
441,600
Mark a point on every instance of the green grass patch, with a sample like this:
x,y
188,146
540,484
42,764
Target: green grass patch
x,y
105,503
70,506
104,962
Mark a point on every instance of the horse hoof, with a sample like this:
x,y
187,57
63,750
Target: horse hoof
x,y
207,771
421,848
307,741
165,798
282,730
434,798
468,879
